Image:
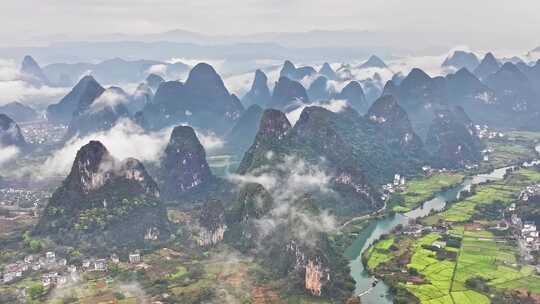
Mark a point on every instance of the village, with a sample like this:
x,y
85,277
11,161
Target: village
x,y
21,198
55,271
43,132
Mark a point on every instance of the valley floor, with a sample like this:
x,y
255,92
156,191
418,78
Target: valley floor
x,y
468,253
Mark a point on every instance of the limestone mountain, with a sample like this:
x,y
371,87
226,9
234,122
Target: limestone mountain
x,y
102,114
515,90
32,72
183,167
10,133
314,138
273,128
202,101
105,203
252,203
417,90
373,88
452,139
487,66
142,96
242,135
533,74
153,81
461,59
463,88
354,95
294,249
373,62
19,112
212,223
395,125
318,89
115,70
327,71
78,99
288,93
259,93
480,101
290,71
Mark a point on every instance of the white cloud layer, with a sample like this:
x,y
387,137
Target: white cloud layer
x,y
125,139
8,154
334,105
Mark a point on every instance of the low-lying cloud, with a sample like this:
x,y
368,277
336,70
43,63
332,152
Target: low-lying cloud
x,y
14,88
287,182
125,139
8,154
109,98
334,105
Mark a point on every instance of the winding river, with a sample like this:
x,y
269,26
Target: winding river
x,y
379,294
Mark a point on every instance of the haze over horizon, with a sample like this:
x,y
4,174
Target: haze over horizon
x,y
418,25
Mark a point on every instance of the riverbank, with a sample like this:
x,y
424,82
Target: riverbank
x,y
419,190
442,266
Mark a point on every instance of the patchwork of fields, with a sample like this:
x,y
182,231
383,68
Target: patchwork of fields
x,y
420,190
446,273
504,191
486,257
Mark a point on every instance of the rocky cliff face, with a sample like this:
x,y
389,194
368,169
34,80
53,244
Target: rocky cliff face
x,y
288,93
259,94
10,133
309,263
203,102
94,167
104,201
183,166
77,100
452,139
212,224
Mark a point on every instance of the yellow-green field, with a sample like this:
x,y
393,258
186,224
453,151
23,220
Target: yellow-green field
x,y
379,253
480,255
504,191
420,190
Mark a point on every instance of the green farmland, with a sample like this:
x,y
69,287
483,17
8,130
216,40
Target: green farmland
x,y
422,189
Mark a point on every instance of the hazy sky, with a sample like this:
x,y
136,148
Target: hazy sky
x,y
514,20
